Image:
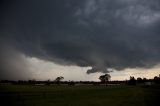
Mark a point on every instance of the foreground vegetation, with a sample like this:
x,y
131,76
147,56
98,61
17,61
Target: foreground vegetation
x,y
81,95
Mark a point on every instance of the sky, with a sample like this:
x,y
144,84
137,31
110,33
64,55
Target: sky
x,y
79,39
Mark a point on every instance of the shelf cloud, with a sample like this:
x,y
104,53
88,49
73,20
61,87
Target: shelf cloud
x,y
102,34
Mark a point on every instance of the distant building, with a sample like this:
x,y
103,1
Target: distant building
x,y
39,84
148,83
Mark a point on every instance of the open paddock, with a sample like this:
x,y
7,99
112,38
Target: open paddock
x,y
80,95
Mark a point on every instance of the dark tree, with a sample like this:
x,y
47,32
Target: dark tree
x,y
132,80
139,80
144,79
156,79
105,78
58,79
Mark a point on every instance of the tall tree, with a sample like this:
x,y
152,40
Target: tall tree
x,y
105,78
58,79
132,80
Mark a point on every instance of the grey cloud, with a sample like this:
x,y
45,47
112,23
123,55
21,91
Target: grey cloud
x,y
103,34
133,12
13,65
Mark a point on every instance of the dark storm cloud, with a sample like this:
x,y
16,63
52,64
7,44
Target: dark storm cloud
x,y
103,34
13,65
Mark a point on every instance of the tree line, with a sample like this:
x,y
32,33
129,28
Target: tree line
x,y
104,79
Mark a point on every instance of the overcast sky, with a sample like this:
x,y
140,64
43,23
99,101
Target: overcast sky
x,y
79,39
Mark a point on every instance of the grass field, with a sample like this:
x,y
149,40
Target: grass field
x,y
30,95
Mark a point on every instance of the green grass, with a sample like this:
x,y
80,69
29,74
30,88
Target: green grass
x,y
29,95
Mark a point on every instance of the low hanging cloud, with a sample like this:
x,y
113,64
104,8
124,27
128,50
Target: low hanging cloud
x,y
13,65
103,34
